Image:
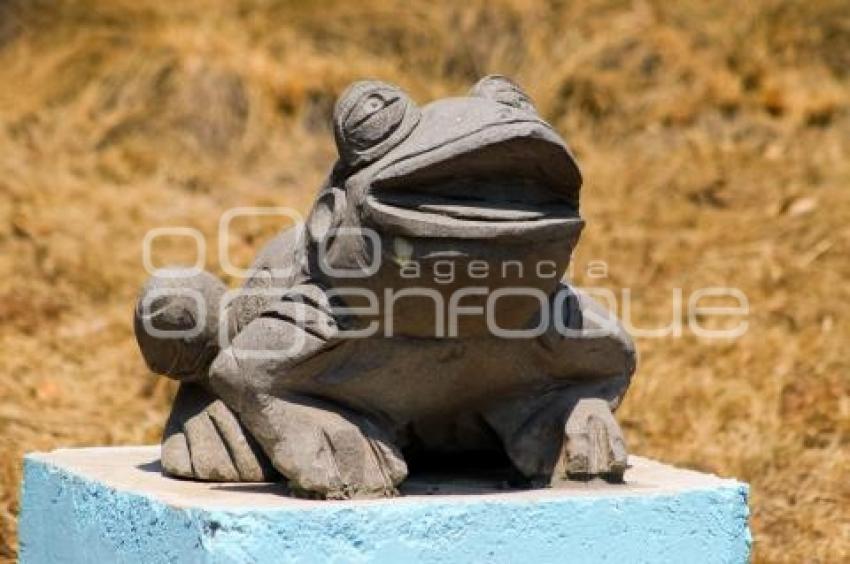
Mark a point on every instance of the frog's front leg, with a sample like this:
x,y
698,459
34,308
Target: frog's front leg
x,y
324,449
565,429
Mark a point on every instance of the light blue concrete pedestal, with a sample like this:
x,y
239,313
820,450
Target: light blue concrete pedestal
x,y
107,505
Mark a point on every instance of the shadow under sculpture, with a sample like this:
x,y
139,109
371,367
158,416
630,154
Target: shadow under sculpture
x,y
349,352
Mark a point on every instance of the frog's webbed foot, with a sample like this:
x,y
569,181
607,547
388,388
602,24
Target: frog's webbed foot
x,y
326,451
204,440
561,435
593,443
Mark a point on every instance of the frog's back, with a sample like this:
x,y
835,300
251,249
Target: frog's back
x,y
276,269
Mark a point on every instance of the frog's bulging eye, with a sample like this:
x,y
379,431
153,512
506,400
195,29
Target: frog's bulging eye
x,y
373,104
503,90
371,118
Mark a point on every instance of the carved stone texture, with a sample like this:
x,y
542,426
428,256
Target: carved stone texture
x,y
418,312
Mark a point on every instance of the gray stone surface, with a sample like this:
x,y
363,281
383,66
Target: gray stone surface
x,y
283,376
137,469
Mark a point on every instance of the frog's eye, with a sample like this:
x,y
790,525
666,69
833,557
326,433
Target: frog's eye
x,y
371,118
503,90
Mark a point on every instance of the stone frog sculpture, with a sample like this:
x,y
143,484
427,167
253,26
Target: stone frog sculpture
x,y
350,348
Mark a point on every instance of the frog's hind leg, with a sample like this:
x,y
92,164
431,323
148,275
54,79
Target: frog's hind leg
x,y
323,448
176,325
204,440
176,322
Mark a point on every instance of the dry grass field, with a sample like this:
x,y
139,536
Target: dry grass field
x,y
714,138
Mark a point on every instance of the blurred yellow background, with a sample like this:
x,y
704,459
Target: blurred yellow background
x,y
714,139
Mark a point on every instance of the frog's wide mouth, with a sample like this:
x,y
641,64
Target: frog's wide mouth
x,y
508,189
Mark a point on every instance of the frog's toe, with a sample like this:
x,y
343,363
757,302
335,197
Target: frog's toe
x,y
328,452
204,440
593,442
560,435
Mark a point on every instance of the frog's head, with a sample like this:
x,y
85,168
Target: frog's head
x,y
481,167
456,184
